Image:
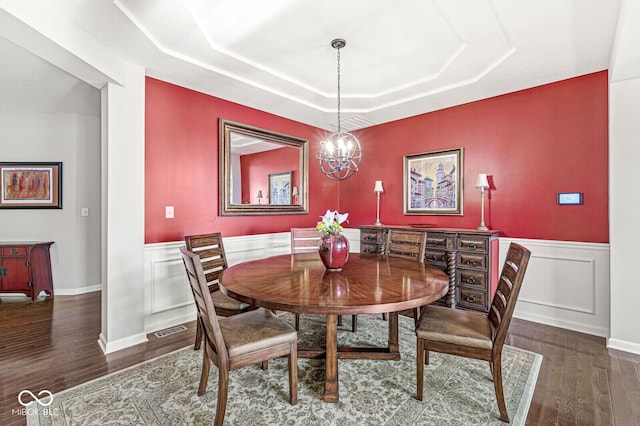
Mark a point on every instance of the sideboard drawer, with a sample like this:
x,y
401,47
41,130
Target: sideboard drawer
x,y
468,260
472,298
366,235
369,248
473,244
471,278
435,257
436,241
14,251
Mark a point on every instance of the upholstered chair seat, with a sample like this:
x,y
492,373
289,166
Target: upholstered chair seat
x,y
254,330
457,327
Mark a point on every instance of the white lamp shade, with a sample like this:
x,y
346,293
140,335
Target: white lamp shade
x,y
259,193
295,191
482,181
378,186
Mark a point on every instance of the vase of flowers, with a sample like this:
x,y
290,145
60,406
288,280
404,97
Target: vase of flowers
x,y
333,246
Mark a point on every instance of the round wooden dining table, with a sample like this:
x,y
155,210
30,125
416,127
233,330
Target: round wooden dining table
x,y
367,284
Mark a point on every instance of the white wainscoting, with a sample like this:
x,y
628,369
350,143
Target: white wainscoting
x,y
168,298
566,285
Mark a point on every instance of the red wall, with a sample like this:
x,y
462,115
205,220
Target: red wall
x,y
181,155
533,143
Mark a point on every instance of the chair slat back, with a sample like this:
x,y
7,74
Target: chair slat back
x,y
504,301
406,244
204,304
212,256
304,240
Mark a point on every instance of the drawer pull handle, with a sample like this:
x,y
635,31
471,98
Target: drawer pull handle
x,y
471,262
434,257
471,299
471,280
472,246
3,271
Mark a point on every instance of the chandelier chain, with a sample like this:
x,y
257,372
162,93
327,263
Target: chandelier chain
x,y
339,126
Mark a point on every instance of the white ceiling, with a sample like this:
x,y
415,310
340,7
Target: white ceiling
x,y
402,58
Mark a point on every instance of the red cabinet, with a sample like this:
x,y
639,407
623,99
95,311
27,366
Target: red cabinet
x,y
25,267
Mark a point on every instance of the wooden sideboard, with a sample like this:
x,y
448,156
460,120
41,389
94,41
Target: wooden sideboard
x,y
468,256
25,267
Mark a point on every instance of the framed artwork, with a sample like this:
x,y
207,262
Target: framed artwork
x,y
433,183
31,185
280,188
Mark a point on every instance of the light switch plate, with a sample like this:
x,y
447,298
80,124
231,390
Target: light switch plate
x,y
168,212
84,211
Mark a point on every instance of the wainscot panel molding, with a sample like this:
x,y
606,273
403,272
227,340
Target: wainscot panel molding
x,y
566,285
168,298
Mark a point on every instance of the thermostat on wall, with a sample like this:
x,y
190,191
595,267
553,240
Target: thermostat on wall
x,y
569,198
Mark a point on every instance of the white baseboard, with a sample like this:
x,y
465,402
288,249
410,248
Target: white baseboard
x,y
623,345
116,345
561,323
76,291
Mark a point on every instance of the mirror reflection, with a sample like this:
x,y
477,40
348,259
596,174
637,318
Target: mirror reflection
x,y
261,172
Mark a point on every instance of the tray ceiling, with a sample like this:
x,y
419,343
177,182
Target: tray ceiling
x,y
402,58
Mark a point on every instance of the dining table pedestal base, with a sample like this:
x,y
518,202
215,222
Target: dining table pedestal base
x,y
332,352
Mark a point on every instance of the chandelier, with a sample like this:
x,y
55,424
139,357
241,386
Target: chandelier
x,y
340,153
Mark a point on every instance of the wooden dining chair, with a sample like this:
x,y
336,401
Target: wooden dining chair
x,y
211,251
474,334
239,340
410,245
306,240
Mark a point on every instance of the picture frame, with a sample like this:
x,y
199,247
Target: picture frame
x,y
433,183
280,188
30,185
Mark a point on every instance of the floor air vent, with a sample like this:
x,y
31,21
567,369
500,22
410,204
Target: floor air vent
x,y
169,331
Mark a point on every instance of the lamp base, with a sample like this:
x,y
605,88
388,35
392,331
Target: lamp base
x,y
482,228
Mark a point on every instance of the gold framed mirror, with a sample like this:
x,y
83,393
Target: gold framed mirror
x,y
262,172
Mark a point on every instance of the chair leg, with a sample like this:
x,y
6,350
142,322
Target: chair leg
x,y
384,316
204,376
297,322
416,316
354,323
264,364
223,389
419,368
198,342
497,384
339,320
293,373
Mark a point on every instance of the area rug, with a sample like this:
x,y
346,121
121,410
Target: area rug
x,y
163,391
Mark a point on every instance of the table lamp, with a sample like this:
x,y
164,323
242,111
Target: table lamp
x,y
259,197
377,188
482,182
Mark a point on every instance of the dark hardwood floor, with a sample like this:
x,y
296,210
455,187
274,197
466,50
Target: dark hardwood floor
x,y
52,344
